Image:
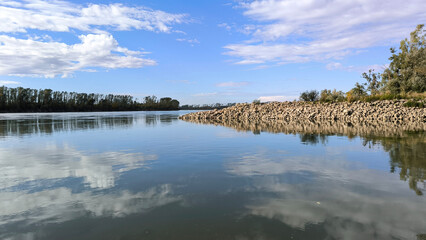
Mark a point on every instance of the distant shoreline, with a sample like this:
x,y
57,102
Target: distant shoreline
x,y
97,111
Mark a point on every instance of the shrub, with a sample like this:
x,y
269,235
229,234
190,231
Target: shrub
x,y
414,104
332,96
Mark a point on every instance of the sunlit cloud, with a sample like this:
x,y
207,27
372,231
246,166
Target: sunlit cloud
x,y
302,31
41,56
62,16
27,57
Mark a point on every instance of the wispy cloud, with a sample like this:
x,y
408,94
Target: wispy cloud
x,y
205,94
5,82
277,98
339,66
300,31
232,84
62,16
225,26
41,56
190,41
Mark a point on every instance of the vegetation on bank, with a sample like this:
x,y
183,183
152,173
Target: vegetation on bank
x,y
45,100
405,78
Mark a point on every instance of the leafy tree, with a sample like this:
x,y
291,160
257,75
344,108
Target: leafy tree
x,y
309,96
373,81
359,90
407,70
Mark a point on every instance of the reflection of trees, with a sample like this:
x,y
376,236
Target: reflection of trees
x,y
153,119
312,139
408,153
50,124
405,143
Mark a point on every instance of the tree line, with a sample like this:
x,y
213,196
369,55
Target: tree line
x,y
46,100
405,76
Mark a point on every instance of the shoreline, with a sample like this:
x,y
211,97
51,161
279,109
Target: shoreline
x,y
385,111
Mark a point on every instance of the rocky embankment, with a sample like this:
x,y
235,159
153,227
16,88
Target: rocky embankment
x,y
357,112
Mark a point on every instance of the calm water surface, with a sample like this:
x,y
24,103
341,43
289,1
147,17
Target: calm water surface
x,y
153,176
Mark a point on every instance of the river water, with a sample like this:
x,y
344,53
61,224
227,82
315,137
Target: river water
x,y
149,175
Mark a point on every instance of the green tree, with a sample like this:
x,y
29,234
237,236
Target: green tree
x,y
407,70
373,81
309,96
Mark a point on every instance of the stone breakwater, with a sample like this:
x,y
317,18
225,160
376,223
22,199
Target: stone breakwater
x,y
380,111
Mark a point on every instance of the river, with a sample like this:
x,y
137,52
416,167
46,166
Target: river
x,y
149,175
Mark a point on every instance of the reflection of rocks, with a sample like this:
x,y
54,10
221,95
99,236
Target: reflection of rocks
x,y
326,127
381,111
61,204
55,163
348,202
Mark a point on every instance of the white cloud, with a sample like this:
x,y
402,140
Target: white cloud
x,y
277,98
27,57
190,41
301,31
339,66
232,84
225,25
9,82
39,55
334,66
205,94
61,16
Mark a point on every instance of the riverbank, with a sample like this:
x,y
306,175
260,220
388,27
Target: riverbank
x,y
388,111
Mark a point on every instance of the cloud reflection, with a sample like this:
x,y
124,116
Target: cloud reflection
x,y
59,205
58,162
350,202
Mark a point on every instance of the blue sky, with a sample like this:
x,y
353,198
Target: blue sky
x,y
200,51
